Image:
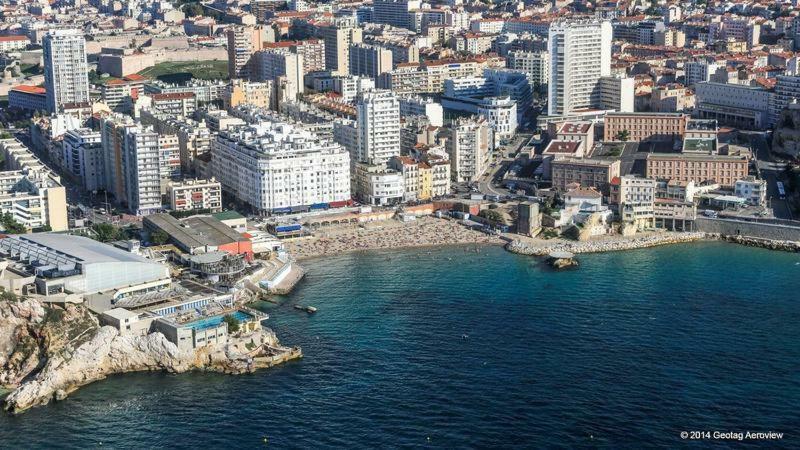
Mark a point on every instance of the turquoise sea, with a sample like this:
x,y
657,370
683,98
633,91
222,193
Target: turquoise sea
x,y
449,348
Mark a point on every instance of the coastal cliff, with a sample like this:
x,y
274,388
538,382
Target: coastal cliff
x,y
47,352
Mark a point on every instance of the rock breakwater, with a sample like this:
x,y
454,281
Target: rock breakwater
x,y
539,247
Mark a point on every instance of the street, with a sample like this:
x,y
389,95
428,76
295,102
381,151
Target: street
x,y
769,171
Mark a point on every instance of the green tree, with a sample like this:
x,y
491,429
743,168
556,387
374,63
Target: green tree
x,y
105,232
193,9
11,226
492,215
159,237
623,135
233,324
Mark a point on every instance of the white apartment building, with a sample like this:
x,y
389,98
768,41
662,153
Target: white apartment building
x,y
787,89
502,115
284,69
535,64
169,157
751,189
192,195
699,71
637,201
274,166
66,72
415,105
352,86
12,43
83,157
580,54
394,12
377,185
32,194
141,169
369,60
617,93
469,145
378,127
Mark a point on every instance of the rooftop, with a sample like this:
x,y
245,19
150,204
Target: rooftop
x,y
78,248
575,127
197,231
28,89
568,147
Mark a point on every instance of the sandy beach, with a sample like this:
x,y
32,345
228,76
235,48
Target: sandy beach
x,y
425,231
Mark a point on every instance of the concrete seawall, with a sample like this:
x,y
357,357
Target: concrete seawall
x,y
759,230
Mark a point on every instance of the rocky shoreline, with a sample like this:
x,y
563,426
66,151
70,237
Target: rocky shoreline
x,y
545,247
784,246
390,234
47,352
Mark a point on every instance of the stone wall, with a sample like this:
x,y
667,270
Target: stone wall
x,y
729,227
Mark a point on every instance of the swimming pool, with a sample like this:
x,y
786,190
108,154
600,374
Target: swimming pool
x,y
211,322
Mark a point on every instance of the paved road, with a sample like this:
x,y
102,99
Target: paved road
x,y
502,164
770,171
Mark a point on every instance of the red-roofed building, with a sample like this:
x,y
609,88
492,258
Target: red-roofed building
x,y
31,98
11,43
182,104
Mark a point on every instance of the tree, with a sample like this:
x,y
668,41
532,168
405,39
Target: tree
x,y
105,232
193,9
233,324
11,226
159,237
623,135
492,215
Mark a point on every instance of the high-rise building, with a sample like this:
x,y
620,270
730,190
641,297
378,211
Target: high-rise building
x,y
275,166
394,12
243,41
142,172
112,135
83,157
338,39
580,53
369,60
469,145
378,122
787,90
617,93
66,72
535,64
169,158
284,69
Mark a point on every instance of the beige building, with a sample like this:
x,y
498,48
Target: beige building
x,y
122,62
29,191
580,132
243,41
242,92
671,98
338,40
721,169
588,173
192,195
645,126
